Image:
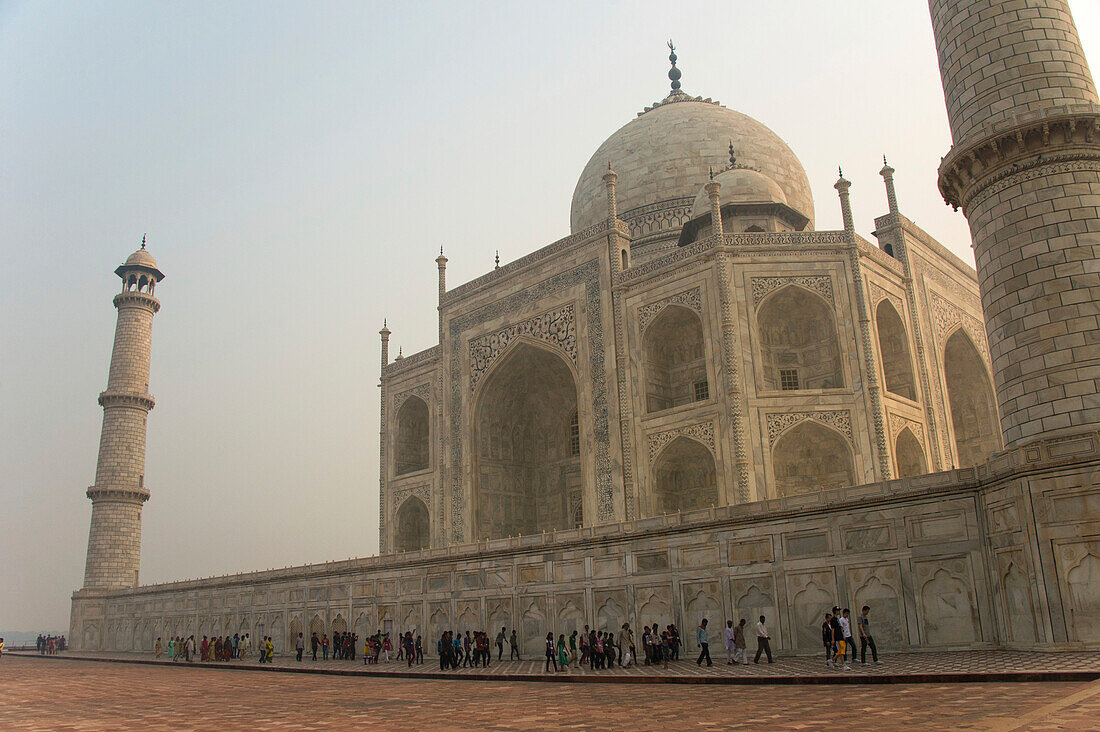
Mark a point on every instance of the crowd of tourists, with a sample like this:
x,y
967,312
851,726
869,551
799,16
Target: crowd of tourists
x,y
598,649
836,635
49,645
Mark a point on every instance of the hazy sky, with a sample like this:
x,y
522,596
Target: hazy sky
x,y
297,167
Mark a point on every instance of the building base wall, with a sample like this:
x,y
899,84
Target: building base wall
x,y
1005,555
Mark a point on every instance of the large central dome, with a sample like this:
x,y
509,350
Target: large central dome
x,y
664,156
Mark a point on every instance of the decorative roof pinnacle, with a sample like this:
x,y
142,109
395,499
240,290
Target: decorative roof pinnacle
x,y
673,73
143,241
496,260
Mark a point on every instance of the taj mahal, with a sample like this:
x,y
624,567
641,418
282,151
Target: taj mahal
x,y
698,404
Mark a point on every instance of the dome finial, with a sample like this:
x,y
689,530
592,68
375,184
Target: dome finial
x,y
673,73
733,158
143,241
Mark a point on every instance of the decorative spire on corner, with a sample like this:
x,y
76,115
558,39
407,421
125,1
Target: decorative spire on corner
x,y
496,260
143,241
673,73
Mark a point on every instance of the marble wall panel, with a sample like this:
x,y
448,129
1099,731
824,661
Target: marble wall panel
x,y
533,629
880,587
702,556
806,544
654,606
750,551
811,595
1078,564
701,600
752,597
1016,596
611,609
945,599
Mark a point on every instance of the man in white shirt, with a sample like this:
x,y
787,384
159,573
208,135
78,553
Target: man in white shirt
x,y
763,641
729,642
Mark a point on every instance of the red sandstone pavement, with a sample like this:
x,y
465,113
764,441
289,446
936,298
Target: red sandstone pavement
x,y
66,694
925,667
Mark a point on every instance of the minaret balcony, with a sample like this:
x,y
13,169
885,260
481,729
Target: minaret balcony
x,y
126,399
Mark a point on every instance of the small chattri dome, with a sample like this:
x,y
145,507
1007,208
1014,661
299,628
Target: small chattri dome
x,y
740,185
141,258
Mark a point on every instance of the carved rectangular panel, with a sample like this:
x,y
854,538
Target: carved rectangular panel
x,y
936,528
751,551
439,582
531,573
699,557
809,544
871,538
412,586
609,567
569,571
651,562
498,577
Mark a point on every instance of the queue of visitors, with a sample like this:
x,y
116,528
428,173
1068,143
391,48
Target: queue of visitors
x,y
598,649
49,645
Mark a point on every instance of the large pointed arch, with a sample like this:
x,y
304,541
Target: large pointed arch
x,y
800,348
811,457
675,359
412,439
524,470
685,477
413,527
970,396
893,348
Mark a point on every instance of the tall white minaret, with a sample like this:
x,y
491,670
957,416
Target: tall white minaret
x,y
114,540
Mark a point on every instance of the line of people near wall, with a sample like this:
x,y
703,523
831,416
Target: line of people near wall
x,y
469,651
342,646
49,645
597,648
839,641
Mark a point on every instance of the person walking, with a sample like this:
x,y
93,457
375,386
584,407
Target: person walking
x,y
739,651
550,652
838,641
849,641
158,649
763,641
827,639
704,643
514,643
500,643
865,638
314,644
419,650
729,643
299,645
563,653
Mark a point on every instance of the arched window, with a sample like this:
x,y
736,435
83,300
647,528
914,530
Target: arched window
x,y
973,410
909,455
798,340
412,436
893,348
412,526
675,360
531,396
684,477
809,458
